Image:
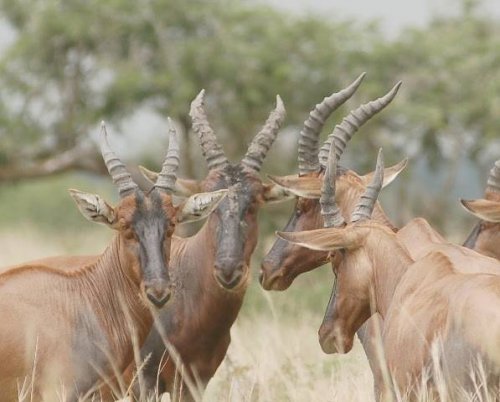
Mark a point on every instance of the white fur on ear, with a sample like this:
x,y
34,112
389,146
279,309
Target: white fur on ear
x,y
273,193
200,205
183,187
390,173
93,207
486,210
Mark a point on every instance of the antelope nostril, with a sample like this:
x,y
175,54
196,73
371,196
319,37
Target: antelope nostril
x,y
158,295
229,278
261,277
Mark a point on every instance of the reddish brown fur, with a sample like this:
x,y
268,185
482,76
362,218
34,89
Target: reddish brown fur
x,y
94,304
447,296
286,261
197,322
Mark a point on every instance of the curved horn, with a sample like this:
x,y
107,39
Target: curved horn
x,y
344,131
329,209
168,175
367,201
121,177
260,145
212,151
493,183
309,135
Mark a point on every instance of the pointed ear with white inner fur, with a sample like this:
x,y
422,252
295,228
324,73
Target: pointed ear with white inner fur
x,y
325,239
200,205
274,193
484,209
300,186
94,208
183,187
390,173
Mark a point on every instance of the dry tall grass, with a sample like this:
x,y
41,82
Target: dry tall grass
x,y
274,354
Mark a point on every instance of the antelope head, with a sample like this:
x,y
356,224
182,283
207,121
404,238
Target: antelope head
x,y
145,222
285,261
234,221
351,246
486,236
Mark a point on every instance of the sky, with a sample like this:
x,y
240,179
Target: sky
x,y
393,15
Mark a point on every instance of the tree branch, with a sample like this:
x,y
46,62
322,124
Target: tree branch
x,y
81,157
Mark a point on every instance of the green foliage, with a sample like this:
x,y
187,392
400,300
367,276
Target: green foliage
x,y
74,62
48,203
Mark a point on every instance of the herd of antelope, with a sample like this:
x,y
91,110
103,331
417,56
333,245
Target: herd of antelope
x,y
153,313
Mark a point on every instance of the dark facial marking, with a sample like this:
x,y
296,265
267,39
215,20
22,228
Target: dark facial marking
x,y
151,226
232,230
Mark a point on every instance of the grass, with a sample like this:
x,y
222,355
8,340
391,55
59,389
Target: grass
x,y
274,353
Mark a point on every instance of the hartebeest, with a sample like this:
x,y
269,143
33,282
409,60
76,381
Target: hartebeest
x,y
285,261
64,330
485,237
210,269
441,314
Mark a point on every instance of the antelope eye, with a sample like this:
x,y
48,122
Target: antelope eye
x,y
169,230
129,234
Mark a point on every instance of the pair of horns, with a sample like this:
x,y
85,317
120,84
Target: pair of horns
x,y
257,151
310,158
329,209
123,179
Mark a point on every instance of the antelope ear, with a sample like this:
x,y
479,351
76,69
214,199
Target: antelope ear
x,y
183,187
200,205
306,187
274,193
325,239
484,209
390,173
94,208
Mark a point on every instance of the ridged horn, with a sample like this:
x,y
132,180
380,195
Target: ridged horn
x,y
260,145
329,209
366,203
168,175
311,130
493,183
344,131
212,151
121,177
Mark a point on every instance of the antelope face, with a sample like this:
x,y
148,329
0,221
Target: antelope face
x,y
235,222
145,222
285,261
350,302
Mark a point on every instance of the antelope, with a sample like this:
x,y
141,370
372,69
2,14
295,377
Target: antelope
x,y
69,322
485,237
210,269
441,313
286,261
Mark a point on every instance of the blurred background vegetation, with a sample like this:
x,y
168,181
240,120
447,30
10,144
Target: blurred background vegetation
x,y
68,64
